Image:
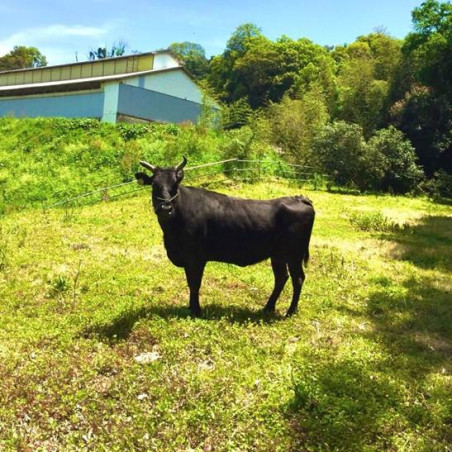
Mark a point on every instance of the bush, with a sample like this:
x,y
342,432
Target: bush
x,y
341,151
401,173
440,185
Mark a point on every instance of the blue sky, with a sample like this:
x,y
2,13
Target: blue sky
x,y
66,28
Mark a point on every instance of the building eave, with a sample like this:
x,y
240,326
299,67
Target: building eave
x,y
83,63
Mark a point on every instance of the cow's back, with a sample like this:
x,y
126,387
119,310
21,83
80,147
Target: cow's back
x,y
215,227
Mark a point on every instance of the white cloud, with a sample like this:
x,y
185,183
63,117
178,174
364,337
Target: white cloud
x,y
54,39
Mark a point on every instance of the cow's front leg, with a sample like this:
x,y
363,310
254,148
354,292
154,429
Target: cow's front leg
x,y
194,272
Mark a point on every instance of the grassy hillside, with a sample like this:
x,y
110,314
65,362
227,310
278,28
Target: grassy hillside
x,y
46,160
98,351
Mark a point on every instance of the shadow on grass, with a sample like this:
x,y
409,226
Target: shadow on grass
x,y
354,403
427,244
340,405
120,327
414,318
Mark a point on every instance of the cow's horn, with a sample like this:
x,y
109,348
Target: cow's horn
x,y
148,165
182,164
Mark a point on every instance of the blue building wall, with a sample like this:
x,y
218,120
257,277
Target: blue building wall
x,y
146,104
88,105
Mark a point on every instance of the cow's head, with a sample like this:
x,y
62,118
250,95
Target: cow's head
x,y
165,184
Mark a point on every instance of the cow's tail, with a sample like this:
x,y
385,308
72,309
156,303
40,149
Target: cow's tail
x,y
306,247
308,232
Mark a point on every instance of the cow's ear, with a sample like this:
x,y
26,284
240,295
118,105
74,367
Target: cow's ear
x,y
144,179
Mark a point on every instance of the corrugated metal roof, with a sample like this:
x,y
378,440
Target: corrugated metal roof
x,y
157,52
78,84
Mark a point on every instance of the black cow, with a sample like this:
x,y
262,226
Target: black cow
x,y
200,225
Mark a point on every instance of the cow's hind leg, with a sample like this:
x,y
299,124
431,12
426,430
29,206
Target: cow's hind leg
x,y
194,273
280,272
298,277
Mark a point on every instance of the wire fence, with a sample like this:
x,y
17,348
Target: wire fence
x,y
208,174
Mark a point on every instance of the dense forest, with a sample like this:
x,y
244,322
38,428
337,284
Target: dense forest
x,y
375,114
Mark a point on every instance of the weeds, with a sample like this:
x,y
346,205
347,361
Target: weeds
x,y
375,222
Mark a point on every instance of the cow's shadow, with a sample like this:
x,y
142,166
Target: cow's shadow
x,y
211,312
120,327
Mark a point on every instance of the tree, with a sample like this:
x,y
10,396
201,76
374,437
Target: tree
x,y
366,70
423,106
240,40
262,71
318,76
116,50
425,118
223,78
255,72
22,57
430,45
194,57
294,123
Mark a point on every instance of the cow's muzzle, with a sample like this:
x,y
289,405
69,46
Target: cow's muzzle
x,y
165,206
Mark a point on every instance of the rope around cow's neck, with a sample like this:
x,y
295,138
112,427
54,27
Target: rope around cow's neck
x,y
168,200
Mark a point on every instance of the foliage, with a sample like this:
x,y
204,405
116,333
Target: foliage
x,y
194,57
424,117
222,76
340,150
365,73
440,185
262,71
430,45
387,161
236,114
423,114
294,123
373,82
401,173
375,222
43,161
116,50
22,57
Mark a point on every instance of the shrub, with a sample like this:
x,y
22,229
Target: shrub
x,y
440,185
401,173
341,151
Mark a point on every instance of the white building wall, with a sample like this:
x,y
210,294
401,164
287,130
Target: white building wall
x,y
164,61
173,83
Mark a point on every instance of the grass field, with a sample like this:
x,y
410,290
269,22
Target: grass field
x,y
98,350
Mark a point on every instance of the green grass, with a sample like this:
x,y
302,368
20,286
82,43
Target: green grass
x,y
44,161
87,292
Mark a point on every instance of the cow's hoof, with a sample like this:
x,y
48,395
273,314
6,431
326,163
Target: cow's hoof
x,y
291,312
197,313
